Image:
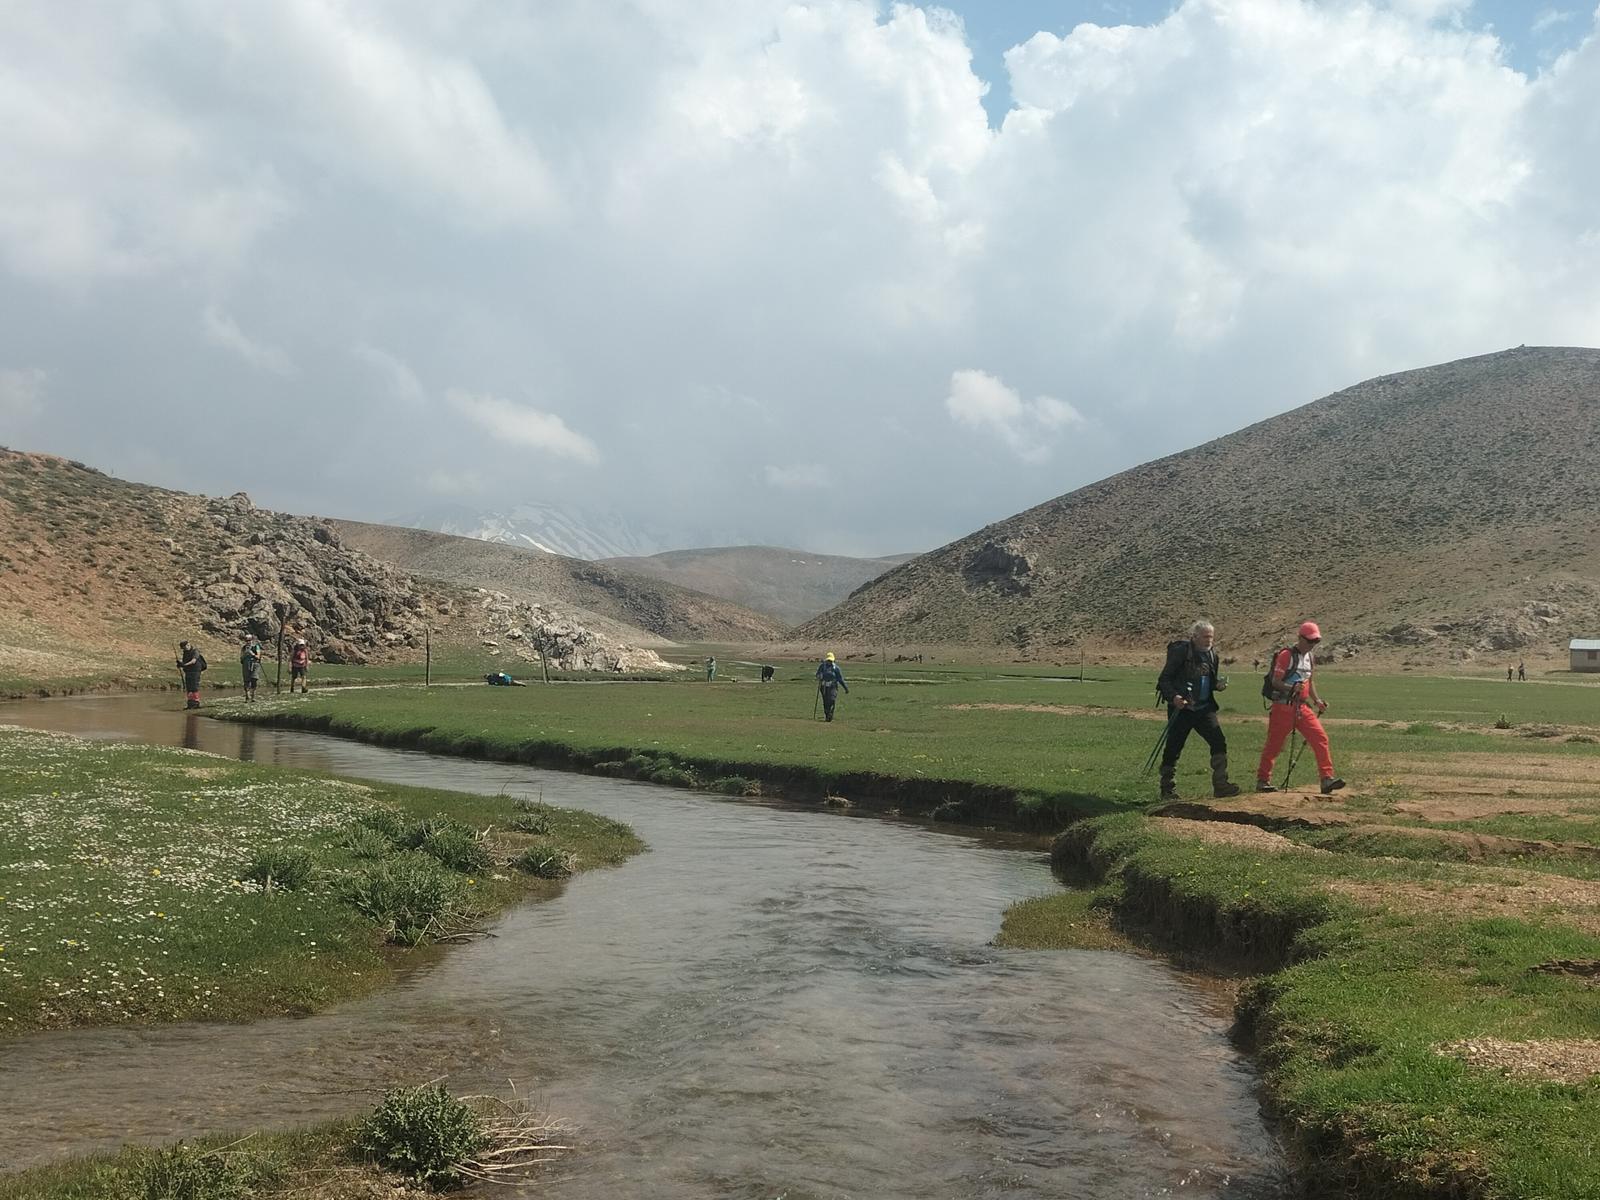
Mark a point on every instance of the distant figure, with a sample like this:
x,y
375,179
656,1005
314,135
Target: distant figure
x,y
299,665
766,674
502,679
711,667
829,680
1293,695
1522,671
250,665
1508,674
191,662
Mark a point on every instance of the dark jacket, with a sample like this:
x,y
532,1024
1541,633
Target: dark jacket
x,y
1185,666
829,675
191,663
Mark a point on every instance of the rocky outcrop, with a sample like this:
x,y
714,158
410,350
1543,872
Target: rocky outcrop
x,y
1002,566
273,568
522,630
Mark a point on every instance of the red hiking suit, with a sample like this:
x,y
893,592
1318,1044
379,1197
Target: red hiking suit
x,y
1295,714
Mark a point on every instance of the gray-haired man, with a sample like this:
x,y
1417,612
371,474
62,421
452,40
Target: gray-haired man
x,y
1189,684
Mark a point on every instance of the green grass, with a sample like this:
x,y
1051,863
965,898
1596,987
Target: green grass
x,y
127,894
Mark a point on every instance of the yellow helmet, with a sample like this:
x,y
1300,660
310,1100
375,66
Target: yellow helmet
x,y
830,655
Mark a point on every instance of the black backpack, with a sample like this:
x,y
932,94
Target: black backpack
x,y
1266,680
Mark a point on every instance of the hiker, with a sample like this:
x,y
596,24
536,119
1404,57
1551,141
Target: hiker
x,y
1508,674
1189,683
1522,671
829,680
299,665
1293,697
766,673
191,662
711,668
250,666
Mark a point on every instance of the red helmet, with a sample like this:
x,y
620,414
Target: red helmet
x,y
1309,631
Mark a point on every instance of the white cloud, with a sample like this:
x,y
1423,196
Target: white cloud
x,y
978,400
1549,18
22,391
397,375
519,425
798,477
222,330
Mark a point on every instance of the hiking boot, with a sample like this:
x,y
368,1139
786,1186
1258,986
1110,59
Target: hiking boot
x,y
1221,786
1263,786
1168,794
1330,786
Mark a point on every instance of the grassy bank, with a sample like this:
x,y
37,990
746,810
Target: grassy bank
x,y
143,884
1422,946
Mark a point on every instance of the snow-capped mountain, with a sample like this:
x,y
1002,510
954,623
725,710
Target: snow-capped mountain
x,y
554,529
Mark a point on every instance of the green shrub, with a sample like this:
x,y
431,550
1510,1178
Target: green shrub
x,y
287,867
671,775
735,785
640,764
363,841
385,820
1503,723
411,896
423,1133
546,861
536,823
185,1172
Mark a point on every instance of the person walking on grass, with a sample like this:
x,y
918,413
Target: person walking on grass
x,y
1296,708
191,662
299,665
829,680
1522,671
711,668
1189,683
250,665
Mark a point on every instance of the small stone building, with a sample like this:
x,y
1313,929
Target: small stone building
x,y
1585,654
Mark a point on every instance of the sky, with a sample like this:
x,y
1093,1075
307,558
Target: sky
x,y
846,276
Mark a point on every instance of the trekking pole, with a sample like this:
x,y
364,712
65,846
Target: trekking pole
x,y
1294,752
1161,741
815,699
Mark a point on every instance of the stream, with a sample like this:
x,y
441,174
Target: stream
x,y
771,1002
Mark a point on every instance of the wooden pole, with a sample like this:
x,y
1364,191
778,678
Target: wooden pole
x,y
544,663
427,660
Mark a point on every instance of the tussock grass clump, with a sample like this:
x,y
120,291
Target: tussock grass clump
x,y
535,823
735,785
385,821
546,861
450,842
286,867
423,1133
669,774
185,1172
362,841
640,764
412,897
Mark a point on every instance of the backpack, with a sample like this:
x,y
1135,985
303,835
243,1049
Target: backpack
x,y
1266,680
199,660
1171,646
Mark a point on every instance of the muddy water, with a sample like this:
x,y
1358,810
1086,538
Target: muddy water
x,y
769,1003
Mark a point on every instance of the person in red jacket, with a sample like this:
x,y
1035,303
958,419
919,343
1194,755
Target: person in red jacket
x,y
299,665
1296,708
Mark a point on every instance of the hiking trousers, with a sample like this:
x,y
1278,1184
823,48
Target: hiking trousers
x,y
1286,719
1181,723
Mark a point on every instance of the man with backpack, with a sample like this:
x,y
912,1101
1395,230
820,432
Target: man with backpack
x,y
1189,683
1296,708
250,665
829,680
191,662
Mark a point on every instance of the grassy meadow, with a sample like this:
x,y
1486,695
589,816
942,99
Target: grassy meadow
x,y
144,884
1420,950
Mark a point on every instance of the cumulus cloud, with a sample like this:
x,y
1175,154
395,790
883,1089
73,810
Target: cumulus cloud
x,y
22,391
1184,226
520,425
980,401
222,330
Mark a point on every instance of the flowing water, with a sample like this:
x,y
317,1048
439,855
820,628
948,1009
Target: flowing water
x,y
768,1003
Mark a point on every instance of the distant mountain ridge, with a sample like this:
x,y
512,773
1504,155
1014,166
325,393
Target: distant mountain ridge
x,y
1443,513
789,585
551,528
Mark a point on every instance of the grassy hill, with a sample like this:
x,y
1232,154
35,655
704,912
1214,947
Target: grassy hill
x,y
600,594
1441,514
789,585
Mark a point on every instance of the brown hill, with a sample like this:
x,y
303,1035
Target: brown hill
x,y
99,577
1448,512
788,585
601,594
